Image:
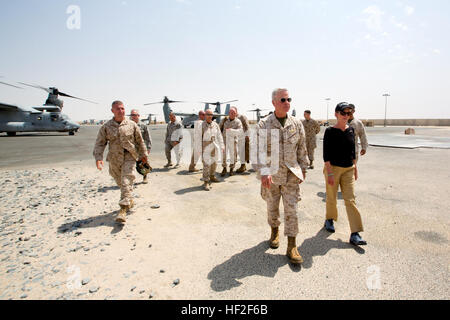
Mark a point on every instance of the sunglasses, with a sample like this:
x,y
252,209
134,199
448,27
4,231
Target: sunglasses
x,y
343,113
135,115
283,100
209,115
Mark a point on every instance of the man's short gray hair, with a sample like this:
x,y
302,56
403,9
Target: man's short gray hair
x,y
276,91
117,103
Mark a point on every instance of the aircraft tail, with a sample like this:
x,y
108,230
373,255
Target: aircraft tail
x,y
167,111
227,109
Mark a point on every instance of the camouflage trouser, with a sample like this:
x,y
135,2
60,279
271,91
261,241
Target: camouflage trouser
x,y
290,192
209,163
177,150
233,159
123,174
310,147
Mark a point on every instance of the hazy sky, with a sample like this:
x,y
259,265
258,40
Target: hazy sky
x,y
139,51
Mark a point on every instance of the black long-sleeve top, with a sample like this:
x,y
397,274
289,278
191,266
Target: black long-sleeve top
x,y
339,146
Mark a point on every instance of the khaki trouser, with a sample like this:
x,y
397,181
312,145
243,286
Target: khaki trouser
x,y
290,192
345,178
123,174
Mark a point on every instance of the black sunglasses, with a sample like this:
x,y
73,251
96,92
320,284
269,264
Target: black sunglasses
x,y
343,113
283,100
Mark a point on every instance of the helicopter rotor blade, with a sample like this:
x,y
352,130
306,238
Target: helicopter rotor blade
x,y
11,85
36,86
229,101
69,96
168,101
147,104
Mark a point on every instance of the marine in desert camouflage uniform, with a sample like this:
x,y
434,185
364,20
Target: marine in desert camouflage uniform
x,y
360,133
126,146
173,139
282,180
231,130
245,145
312,128
134,115
211,140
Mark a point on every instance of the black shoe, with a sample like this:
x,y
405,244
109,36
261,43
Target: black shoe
x,y
329,225
356,239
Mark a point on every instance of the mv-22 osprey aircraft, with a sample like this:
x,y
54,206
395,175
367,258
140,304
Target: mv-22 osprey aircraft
x,y
45,118
188,119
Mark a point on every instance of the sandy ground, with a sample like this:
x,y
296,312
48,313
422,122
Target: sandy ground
x,y
59,241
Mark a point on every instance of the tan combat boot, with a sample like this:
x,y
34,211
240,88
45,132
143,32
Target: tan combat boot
x,y
121,217
311,166
193,169
213,179
231,172
206,186
131,204
241,169
274,241
224,172
292,252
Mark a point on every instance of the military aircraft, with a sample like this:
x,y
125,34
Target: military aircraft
x,y
45,118
148,119
258,113
259,116
188,119
294,113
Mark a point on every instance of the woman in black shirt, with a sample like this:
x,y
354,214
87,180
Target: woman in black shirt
x,y
340,170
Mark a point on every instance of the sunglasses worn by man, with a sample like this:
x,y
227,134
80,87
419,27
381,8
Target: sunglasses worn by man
x,y
283,100
343,113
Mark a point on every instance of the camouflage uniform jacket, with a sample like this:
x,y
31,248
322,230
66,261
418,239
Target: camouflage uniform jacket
x,y
244,120
292,149
145,135
235,125
122,137
360,132
312,128
211,134
173,132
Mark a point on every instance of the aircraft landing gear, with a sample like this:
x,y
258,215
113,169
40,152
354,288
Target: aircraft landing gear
x,y
11,134
71,133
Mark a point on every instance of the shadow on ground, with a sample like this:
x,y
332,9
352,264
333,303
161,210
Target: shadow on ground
x,y
256,261
253,261
189,190
107,220
187,173
319,245
105,189
323,195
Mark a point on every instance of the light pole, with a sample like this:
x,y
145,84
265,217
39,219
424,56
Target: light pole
x,y
385,107
328,100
